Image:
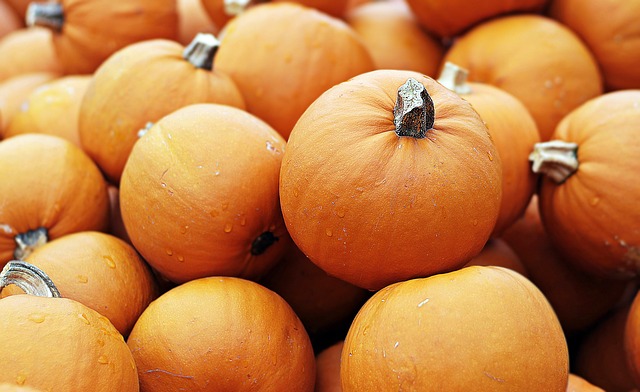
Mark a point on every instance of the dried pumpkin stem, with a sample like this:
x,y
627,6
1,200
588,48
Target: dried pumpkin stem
x,y
235,7
414,113
29,241
454,77
556,159
50,15
29,278
201,51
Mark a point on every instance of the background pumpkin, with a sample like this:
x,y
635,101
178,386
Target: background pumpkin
x,y
27,51
15,90
579,384
9,20
497,252
193,19
328,368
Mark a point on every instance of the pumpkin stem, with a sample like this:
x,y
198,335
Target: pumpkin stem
x,y
146,129
235,7
454,77
262,242
201,51
29,278
27,242
556,159
50,15
413,113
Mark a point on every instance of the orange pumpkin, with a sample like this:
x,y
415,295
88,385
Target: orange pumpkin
x,y
9,20
222,334
631,340
49,188
535,59
15,90
452,17
376,188
609,28
193,19
460,331
199,194
53,109
514,133
498,253
590,192
87,32
579,384
20,6
27,51
221,11
394,38
124,94
328,368
58,344
6,387
279,73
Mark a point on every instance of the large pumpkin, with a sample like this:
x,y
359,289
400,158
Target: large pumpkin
x,y
536,59
87,32
49,188
125,94
199,194
383,177
15,90
478,328
222,334
281,73
589,196
28,51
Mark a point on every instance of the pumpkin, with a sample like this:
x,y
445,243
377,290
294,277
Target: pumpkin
x,y
15,90
28,51
20,6
193,19
335,8
99,271
9,20
221,334
199,194
498,253
384,174
453,17
458,331
328,368
588,198
631,340
514,133
534,58
579,384
52,108
578,299
87,32
279,73
221,11
58,344
49,188
394,38
124,94
611,39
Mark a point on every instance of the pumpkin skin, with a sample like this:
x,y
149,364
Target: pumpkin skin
x,y
20,6
15,90
335,8
193,19
498,253
92,30
578,384
199,194
632,339
239,336
536,59
611,40
420,334
6,387
116,105
592,217
40,335
28,51
9,20
52,109
394,39
60,190
371,207
450,18
271,66
328,368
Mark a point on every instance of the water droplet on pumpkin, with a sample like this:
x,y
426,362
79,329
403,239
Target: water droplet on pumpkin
x,y
360,189
163,184
329,232
103,360
380,182
490,156
82,278
548,84
100,342
270,146
475,222
340,212
169,252
228,227
295,192
109,260
180,258
20,379
184,229
243,221
214,213
84,318
36,318
595,201
365,331
225,205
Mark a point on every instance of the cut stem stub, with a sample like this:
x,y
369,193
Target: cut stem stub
x,y
454,77
50,15
27,242
556,159
414,113
201,51
29,278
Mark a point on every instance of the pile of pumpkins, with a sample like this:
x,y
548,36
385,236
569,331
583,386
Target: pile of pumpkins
x,y
328,195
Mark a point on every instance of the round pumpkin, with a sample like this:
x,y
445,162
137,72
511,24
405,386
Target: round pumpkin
x,y
579,384
394,38
590,192
460,331
279,73
534,58
28,51
15,90
193,19
221,11
497,252
376,188
610,30
199,194
631,340
52,108
328,368
49,188
9,20
514,133
222,334
87,32
124,94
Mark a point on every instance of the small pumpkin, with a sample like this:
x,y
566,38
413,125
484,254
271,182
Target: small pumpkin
x,y
222,334
384,174
28,51
199,194
534,58
9,20
50,188
58,344
422,333
87,32
15,90
52,108
193,19
579,384
498,253
328,368
125,95
588,198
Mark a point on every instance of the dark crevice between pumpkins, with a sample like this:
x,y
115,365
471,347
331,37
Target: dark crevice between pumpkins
x,y
414,112
262,243
29,278
49,15
201,51
28,241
